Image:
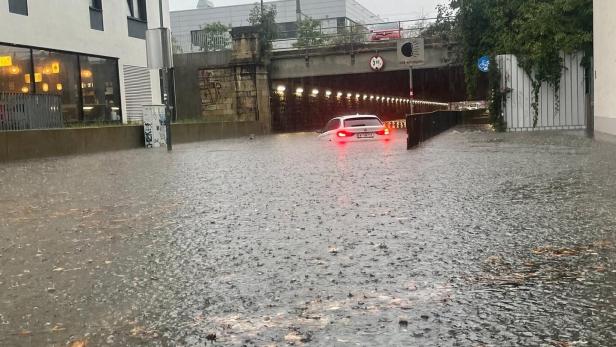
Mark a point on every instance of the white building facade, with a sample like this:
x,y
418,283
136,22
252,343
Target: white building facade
x,y
90,52
605,68
331,13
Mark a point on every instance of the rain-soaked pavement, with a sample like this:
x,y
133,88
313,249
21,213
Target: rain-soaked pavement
x,y
473,239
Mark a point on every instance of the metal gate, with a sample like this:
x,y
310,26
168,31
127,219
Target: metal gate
x,y
563,110
30,111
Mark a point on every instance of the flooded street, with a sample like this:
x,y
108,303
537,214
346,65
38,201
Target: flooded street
x,y
472,239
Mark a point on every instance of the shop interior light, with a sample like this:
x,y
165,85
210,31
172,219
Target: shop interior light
x,y
59,87
45,87
281,89
25,89
6,60
349,95
315,92
339,95
328,93
299,91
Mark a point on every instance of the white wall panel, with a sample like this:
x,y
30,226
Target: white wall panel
x,y
565,111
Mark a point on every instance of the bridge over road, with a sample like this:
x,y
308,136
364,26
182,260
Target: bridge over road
x,y
345,60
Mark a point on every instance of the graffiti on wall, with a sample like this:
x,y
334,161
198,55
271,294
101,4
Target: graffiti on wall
x,y
211,88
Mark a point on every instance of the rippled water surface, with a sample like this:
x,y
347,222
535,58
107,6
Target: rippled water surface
x,y
473,239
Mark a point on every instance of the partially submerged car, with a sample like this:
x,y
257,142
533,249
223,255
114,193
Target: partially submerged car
x,y
355,128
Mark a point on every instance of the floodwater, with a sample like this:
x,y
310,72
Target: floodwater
x,y
472,239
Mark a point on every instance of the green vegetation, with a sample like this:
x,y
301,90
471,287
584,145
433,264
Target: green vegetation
x,y
309,33
216,37
537,32
268,29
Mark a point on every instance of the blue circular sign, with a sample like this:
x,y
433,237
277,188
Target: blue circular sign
x,y
484,64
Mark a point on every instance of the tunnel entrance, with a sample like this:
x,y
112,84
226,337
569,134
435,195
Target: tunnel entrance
x,y
306,104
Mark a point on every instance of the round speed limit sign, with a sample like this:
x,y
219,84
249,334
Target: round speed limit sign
x,y
377,63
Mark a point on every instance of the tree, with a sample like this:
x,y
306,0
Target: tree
x,y
309,33
267,28
536,32
212,37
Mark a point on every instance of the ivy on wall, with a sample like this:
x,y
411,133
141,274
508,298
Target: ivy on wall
x,y
537,32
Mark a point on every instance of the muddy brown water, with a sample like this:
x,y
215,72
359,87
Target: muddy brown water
x,y
472,239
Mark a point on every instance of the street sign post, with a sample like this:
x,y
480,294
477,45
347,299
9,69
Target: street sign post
x,y
411,52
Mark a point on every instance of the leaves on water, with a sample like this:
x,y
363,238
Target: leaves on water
x,y
78,343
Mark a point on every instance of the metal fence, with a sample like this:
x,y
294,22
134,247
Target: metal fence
x,y
564,108
30,111
422,126
356,34
201,41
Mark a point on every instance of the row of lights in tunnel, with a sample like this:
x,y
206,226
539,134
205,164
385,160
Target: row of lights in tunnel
x,y
280,90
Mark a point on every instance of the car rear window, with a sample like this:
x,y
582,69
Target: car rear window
x,y
362,122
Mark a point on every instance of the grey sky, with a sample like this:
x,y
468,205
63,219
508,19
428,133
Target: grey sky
x,y
387,9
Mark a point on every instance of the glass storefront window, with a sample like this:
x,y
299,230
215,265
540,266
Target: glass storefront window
x,y
57,73
14,68
88,86
100,89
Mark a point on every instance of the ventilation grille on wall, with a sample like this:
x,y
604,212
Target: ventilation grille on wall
x,y
138,91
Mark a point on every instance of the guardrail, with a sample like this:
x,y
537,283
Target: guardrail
x,y
423,126
201,41
357,34
30,111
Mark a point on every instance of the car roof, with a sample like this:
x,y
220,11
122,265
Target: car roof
x,y
357,116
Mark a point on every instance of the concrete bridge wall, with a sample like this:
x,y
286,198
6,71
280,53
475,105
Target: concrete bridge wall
x,y
325,62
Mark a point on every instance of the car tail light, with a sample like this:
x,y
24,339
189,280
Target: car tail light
x,y
344,133
385,131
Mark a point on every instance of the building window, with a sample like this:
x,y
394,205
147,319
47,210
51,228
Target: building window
x,y
96,15
100,89
137,18
88,86
136,9
15,70
18,7
57,73
96,4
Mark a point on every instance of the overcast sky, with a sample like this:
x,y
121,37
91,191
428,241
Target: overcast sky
x,y
387,9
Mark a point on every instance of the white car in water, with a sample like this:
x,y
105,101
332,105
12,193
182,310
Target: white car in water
x,y
355,128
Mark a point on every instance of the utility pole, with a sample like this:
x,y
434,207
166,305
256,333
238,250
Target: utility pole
x,y
411,93
165,77
298,10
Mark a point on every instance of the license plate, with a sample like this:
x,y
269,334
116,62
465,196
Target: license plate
x,y
365,135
